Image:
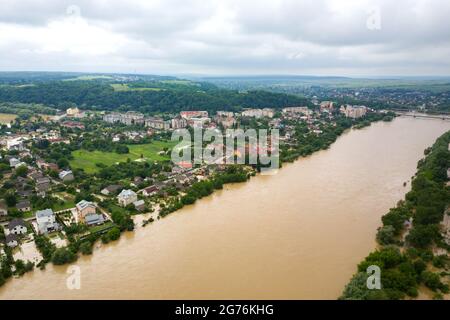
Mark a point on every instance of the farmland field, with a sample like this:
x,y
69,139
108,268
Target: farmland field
x,y
6,118
87,160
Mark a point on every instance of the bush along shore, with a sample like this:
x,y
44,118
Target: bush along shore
x,y
413,240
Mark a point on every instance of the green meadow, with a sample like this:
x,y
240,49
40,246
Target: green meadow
x,y
87,160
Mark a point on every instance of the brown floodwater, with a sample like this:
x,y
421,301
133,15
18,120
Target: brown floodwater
x,y
296,235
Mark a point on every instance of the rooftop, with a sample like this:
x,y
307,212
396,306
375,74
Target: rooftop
x,y
44,213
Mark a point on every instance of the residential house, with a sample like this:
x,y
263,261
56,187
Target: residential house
x,y
139,205
11,240
42,186
87,213
182,178
47,166
73,112
17,226
150,191
94,219
35,175
73,125
24,193
24,206
46,221
127,197
15,144
13,162
66,175
84,208
138,180
20,164
111,189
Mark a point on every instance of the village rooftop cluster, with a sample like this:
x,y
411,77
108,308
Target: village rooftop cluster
x,y
51,184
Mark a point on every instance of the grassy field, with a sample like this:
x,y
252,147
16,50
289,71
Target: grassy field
x,y
6,118
87,159
125,87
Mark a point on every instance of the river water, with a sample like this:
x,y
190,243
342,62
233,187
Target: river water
x,y
296,235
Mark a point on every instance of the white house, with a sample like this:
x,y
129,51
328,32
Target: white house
x,y
17,226
15,144
46,221
13,162
66,175
127,197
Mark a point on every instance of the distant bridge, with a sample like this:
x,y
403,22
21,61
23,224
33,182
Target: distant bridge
x,y
415,114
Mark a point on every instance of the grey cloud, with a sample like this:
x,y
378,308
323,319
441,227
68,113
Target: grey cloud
x,y
235,36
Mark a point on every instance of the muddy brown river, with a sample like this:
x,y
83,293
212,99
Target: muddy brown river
x,y
295,235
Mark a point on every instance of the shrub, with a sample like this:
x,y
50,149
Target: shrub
x,y
62,256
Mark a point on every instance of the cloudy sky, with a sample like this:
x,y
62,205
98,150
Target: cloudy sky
x,y
315,37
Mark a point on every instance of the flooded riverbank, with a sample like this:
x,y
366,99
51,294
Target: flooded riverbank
x,y
295,235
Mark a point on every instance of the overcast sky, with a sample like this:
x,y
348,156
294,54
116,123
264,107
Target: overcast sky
x,y
314,37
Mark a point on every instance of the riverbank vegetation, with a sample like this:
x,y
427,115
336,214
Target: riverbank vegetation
x,y
413,247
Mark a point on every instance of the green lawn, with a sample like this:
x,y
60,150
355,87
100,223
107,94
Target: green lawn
x,y
66,205
87,159
107,225
6,118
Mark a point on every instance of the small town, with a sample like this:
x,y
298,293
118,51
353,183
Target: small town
x,y
223,159
79,176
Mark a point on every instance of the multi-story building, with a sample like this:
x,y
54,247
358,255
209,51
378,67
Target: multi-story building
x,y
326,106
298,110
132,117
112,117
225,119
126,197
179,123
46,221
128,118
258,113
73,112
198,122
157,123
353,112
193,114
227,114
